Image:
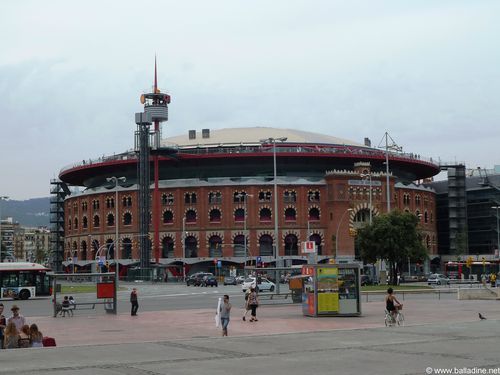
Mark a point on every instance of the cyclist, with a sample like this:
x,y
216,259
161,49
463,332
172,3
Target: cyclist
x,y
392,304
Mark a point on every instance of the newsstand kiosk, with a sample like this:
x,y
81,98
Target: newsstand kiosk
x,y
331,290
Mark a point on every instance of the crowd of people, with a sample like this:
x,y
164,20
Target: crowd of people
x,y
15,333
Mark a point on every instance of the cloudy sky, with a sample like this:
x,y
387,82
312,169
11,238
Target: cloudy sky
x,y
71,73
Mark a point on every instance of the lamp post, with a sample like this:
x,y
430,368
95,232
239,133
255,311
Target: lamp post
x,y
338,228
244,196
183,239
498,227
4,197
276,245
116,244
369,176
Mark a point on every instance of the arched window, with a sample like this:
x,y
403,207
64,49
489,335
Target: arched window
x,y
84,250
265,196
111,249
127,248
75,222
127,218
191,246
313,214
239,196
129,201
215,215
265,214
426,217
85,223
317,239
110,220
418,215
168,217
190,198
362,216
214,197
239,215
214,247
190,216
95,204
265,245
167,247
69,223
313,196
96,221
289,196
239,245
291,245
417,200
290,214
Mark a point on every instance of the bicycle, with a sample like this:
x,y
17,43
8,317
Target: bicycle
x,y
390,320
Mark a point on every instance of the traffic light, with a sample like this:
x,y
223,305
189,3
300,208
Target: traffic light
x,y
468,262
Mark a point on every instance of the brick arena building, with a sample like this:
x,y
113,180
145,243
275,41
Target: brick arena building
x,y
216,195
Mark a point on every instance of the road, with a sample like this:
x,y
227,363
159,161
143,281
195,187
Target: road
x,y
170,296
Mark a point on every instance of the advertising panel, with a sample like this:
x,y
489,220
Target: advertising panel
x,y
328,290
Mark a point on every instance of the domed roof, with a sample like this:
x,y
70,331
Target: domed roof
x,y
253,136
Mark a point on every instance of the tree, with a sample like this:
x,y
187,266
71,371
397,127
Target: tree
x,y
393,237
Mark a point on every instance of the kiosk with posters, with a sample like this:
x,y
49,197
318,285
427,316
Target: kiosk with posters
x,y
331,290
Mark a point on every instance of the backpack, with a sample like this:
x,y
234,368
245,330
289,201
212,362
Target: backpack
x,y
49,341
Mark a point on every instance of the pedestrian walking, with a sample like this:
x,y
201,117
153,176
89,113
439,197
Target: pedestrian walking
x,y
134,302
16,318
253,302
247,306
225,312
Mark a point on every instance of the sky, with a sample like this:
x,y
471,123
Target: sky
x,y
71,75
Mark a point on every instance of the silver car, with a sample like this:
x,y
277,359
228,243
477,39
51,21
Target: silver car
x,y
438,279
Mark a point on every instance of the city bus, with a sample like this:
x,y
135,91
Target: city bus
x,y
459,270
22,280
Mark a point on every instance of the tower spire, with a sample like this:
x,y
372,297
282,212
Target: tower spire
x,y
156,80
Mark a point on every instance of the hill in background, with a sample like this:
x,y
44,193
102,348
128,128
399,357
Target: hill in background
x,y
29,213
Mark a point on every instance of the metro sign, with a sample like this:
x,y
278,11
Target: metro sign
x,y
309,247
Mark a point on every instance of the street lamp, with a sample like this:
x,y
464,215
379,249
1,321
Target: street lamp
x,y
276,246
116,244
369,175
244,196
498,228
4,197
338,228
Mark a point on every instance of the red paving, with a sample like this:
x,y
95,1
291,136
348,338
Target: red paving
x,y
185,324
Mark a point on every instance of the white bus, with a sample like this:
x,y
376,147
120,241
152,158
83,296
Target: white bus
x,y
22,280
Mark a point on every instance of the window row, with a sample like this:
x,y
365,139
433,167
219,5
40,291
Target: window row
x,y
418,200
216,247
215,216
215,197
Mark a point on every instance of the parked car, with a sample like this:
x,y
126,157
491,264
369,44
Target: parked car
x,y
196,279
230,280
210,280
262,285
438,279
240,279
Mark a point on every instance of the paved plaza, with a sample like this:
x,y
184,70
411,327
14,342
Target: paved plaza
x,y
438,334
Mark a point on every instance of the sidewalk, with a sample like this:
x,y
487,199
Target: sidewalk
x,y
102,328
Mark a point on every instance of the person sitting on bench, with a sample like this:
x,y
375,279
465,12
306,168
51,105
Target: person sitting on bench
x,y
65,306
